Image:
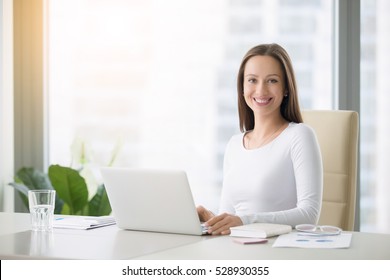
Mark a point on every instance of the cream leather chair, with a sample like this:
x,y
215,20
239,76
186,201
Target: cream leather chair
x,y
337,133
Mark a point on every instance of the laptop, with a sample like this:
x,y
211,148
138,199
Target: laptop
x,y
152,200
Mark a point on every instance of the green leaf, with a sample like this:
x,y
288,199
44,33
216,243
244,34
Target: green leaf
x,y
33,179
70,186
84,211
23,192
65,210
99,204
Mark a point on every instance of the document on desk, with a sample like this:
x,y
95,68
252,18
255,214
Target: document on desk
x,y
82,222
301,240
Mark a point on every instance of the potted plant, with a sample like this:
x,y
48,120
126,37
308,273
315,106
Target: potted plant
x,y
71,190
73,186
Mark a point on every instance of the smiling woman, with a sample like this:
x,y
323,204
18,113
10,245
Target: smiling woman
x,y
266,73
264,85
264,93
253,190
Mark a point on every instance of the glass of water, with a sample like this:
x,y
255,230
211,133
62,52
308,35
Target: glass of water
x,y
41,204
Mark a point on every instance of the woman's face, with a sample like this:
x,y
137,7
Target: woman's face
x,y
264,85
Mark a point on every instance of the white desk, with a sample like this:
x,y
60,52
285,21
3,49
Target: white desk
x,y
17,241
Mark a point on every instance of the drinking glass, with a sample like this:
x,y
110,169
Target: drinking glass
x,y
41,204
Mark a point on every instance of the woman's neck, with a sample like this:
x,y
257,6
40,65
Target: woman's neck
x,y
265,130
267,125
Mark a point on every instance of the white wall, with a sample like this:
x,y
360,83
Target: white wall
x,y
6,105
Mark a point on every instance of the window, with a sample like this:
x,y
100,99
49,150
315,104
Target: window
x,y
157,79
375,129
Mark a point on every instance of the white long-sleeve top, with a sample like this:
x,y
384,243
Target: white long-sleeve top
x,y
280,182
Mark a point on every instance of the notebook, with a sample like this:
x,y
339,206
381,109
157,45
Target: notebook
x,y
152,200
259,230
82,222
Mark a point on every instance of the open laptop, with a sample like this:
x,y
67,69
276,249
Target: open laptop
x,y
152,200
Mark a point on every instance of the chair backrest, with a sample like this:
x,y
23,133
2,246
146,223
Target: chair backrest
x,y
337,133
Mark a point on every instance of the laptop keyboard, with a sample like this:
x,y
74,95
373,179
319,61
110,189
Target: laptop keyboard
x,y
204,228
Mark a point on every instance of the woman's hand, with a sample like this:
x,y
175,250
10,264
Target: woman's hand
x,y
221,224
204,214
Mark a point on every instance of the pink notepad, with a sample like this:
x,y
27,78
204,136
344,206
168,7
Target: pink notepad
x,y
250,240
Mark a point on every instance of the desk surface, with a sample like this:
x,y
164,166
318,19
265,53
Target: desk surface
x,y
17,241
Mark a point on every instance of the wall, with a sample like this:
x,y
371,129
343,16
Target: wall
x,y
6,105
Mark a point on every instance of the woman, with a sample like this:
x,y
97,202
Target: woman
x,y
273,170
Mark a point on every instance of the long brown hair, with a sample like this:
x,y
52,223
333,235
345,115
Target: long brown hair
x,y
290,105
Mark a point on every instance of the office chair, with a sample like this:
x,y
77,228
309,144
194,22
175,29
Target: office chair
x,y
337,134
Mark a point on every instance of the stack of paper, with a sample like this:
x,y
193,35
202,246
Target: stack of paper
x,y
82,222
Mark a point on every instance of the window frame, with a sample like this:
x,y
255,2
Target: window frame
x,y
346,71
